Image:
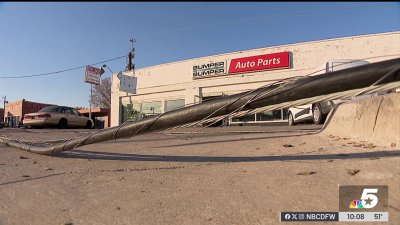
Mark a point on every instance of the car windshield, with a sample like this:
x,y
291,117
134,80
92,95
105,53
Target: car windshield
x,y
49,109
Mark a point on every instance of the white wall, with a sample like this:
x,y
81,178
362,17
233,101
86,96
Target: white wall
x,y
174,80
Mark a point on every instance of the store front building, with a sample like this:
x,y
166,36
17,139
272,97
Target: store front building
x,y
153,90
14,111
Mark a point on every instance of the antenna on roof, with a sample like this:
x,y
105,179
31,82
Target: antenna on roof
x,y
131,55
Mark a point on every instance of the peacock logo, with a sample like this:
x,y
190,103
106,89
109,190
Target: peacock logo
x,y
356,204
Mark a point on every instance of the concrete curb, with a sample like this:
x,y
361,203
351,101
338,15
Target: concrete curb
x,y
375,120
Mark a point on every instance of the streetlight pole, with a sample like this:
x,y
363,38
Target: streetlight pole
x,y
4,101
105,66
90,101
4,106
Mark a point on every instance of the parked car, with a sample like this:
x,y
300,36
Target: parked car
x,y
312,112
317,112
57,116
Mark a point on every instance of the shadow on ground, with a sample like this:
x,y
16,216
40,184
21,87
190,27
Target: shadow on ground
x,y
234,140
186,135
93,155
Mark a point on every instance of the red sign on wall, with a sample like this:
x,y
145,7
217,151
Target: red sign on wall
x,y
279,60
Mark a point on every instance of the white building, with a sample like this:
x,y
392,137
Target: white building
x,y
156,89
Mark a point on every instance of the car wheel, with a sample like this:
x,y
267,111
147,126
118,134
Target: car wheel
x,y
63,124
317,114
291,120
88,125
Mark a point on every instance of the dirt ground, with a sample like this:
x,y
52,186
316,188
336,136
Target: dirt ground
x,y
228,175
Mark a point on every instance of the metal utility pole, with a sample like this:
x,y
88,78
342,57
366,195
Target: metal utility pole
x,y
4,106
131,55
4,101
90,102
92,76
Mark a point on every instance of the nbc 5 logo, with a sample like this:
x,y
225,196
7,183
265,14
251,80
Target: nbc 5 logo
x,y
368,199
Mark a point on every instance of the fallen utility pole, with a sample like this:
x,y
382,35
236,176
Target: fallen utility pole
x,y
307,87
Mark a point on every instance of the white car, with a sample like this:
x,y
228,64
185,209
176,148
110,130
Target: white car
x,y
312,112
57,116
317,112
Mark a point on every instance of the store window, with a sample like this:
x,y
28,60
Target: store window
x,y
151,108
174,104
244,119
130,110
269,116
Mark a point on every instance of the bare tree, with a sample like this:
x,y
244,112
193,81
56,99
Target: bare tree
x,y
101,96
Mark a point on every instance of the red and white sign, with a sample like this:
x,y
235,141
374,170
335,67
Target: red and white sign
x,y
280,60
92,75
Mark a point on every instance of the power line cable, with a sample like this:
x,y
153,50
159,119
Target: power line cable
x,y
304,12
60,71
295,93
203,26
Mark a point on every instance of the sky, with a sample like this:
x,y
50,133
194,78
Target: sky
x,y
42,37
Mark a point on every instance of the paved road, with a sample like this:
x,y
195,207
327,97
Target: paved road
x,y
228,175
